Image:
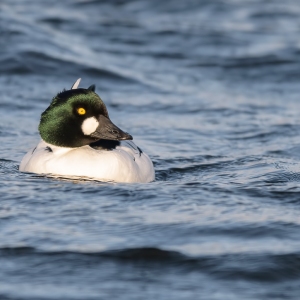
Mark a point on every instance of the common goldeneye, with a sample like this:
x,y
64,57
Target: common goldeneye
x,y
79,140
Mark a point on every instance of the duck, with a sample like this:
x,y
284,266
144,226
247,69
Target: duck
x,y
79,140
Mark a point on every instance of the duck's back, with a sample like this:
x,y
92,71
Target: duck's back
x,y
124,163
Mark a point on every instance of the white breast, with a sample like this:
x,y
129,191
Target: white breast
x,y
123,164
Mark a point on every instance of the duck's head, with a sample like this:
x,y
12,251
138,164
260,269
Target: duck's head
x,y
78,117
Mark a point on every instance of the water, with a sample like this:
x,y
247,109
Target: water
x,y
210,90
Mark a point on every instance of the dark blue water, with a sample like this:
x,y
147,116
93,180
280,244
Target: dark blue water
x,y
210,90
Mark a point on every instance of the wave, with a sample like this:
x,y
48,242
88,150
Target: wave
x,y
256,267
33,62
8,167
133,254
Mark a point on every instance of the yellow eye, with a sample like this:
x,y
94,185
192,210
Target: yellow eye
x,y
81,111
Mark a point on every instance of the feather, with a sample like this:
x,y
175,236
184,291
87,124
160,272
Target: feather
x,y
76,84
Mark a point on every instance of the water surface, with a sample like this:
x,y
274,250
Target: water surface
x,y
210,90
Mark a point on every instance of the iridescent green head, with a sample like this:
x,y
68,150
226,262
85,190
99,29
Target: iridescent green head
x,y
78,117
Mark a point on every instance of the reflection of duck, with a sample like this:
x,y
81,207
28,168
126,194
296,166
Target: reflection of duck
x,y
79,139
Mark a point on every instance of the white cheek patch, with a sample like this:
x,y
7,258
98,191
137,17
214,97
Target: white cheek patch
x,y
89,125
